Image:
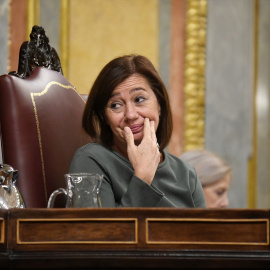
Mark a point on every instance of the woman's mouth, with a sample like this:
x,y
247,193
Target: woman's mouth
x,y
136,128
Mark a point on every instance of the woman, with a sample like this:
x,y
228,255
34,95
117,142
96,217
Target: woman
x,y
214,174
129,117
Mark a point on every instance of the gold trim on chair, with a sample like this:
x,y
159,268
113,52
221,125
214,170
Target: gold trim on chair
x,y
194,74
33,95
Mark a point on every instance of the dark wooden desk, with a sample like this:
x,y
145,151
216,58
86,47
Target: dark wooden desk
x,y
134,238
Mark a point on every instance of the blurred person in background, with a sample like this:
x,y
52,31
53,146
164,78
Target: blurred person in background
x,y
214,174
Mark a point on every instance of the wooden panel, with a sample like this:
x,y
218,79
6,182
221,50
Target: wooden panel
x,y
137,238
207,231
2,230
3,233
77,231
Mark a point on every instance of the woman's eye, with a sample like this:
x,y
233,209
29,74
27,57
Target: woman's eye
x,y
220,192
115,105
139,99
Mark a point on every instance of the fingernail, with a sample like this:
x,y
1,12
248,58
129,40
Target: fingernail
x,y
126,129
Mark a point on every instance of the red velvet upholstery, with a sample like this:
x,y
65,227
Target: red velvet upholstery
x,y
40,121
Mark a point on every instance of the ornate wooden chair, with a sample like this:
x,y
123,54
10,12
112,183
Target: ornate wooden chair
x,y
40,122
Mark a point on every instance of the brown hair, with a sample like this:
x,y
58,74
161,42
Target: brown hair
x,y
115,72
209,167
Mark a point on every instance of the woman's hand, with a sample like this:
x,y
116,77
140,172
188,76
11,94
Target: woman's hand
x,y
146,156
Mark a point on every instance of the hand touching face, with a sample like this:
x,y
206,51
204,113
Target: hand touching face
x,y
144,157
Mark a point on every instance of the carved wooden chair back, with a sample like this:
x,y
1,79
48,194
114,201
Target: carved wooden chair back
x,y
40,123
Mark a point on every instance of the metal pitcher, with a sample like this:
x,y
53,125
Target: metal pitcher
x,y
82,190
10,196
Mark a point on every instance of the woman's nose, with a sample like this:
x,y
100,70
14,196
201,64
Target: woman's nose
x,y
131,111
225,202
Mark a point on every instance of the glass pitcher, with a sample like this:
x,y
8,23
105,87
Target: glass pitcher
x,y
10,196
82,190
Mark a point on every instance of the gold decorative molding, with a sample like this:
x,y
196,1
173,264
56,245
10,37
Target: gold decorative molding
x,y
252,162
32,15
9,35
194,87
64,36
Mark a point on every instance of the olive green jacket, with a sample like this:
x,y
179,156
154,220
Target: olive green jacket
x,y
175,183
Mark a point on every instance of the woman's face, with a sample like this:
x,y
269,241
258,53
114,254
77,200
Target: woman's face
x,y
131,102
216,194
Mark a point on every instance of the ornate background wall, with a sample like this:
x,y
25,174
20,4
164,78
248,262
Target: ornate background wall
x,y
213,56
